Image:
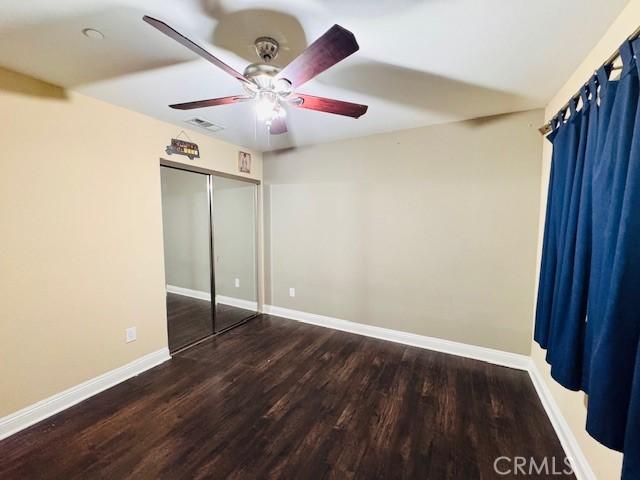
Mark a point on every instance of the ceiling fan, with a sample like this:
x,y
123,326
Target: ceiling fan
x,y
272,87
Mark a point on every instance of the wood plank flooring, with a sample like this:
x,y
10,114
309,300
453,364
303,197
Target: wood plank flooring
x,y
189,319
228,316
280,399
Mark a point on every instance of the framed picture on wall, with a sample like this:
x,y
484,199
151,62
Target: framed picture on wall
x,y
244,162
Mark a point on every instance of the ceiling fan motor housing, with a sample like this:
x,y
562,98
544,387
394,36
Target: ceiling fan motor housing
x,y
267,48
264,77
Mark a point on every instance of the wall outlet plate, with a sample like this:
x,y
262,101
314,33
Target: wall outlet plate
x,y
237,283
292,292
130,334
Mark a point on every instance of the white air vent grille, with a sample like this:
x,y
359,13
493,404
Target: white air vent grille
x,y
206,124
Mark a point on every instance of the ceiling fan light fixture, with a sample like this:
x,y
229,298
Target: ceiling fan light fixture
x,y
277,114
266,103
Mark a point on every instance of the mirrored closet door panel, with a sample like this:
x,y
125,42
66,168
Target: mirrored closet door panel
x,y
235,251
186,217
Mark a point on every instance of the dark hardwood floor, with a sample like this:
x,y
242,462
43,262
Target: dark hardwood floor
x,y
279,399
227,315
189,319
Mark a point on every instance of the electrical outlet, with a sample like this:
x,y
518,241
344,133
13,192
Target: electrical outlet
x,y
130,334
237,283
292,292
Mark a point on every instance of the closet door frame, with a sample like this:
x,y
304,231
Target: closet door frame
x,y
210,174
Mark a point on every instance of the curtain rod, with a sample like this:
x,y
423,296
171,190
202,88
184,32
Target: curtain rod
x,y
546,128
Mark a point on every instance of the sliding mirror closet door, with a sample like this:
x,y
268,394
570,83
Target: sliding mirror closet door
x,y
235,251
186,217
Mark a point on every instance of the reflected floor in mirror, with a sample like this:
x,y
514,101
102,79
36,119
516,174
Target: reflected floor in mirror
x,y
227,315
189,319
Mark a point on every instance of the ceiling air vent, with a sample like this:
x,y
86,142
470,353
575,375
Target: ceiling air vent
x,y
207,125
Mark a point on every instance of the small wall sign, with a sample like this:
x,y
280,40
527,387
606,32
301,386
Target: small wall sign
x,y
182,147
244,162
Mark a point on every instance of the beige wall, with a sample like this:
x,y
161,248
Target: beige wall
x,y
81,256
430,231
604,462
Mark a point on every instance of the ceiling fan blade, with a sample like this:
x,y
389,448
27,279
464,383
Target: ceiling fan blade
x,y
335,45
278,126
212,102
178,37
329,105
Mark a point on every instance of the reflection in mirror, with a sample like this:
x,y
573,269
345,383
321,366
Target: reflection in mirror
x,y
186,230
234,247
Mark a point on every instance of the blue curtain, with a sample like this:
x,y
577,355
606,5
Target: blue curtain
x,y
550,241
608,91
588,308
568,311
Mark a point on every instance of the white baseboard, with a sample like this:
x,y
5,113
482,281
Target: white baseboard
x,y
237,302
187,292
37,412
572,449
497,357
232,301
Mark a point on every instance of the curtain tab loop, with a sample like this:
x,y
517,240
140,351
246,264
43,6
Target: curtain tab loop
x,y
584,95
636,49
603,77
560,118
593,86
626,54
572,107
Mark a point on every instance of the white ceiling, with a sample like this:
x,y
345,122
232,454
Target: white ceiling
x,y
420,62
